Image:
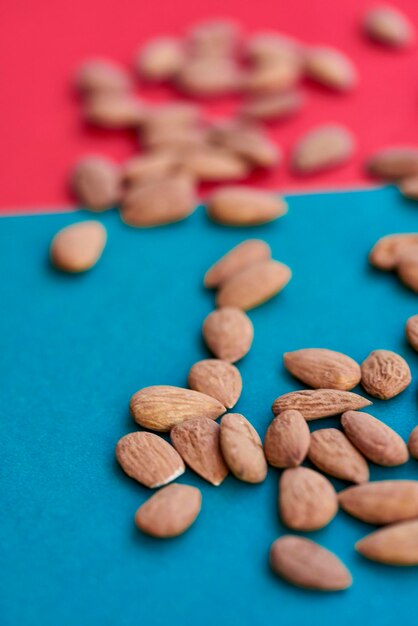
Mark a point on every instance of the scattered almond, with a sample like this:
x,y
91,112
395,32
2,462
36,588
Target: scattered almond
x,y
274,106
147,168
287,440
245,254
316,403
331,68
409,187
228,333
213,38
323,369
322,148
78,247
217,378
332,452
413,443
408,269
388,26
161,59
209,76
242,449
114,111
273,75
247,141
385,374
102,76
381,502
388,251
394,545
214,164
394,163
96,183
244,206
149,459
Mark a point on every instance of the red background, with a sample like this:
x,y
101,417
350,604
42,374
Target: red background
x,y
42,43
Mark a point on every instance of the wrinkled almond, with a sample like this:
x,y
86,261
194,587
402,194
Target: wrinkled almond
x,y
323,369
275,106
242,449
161,59
149,459
381,502
217,378
114,111
244,206
246,253
102,76
413,443
388,26
170,511
78,247
385,374
96,183
332,452
394,163
330,68
407,269
322,148
212,164
388,251
228,333
316,403
394,545
287,440
161,407
197,441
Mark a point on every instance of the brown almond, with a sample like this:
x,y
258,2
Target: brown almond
x,y
155,166
379,443
78,247
274,106
264,47
209,76
332,452
217,378
102,76
228,333
385,374
307,500
173,114
322,148
213,38
96,183
323,369
407,269
149,459
114,111
242,449
213,164
197,441
161,407
161,59
389,27
330,68
394,545
254,285
381,502
245,254
273,75
409,187
304,563
159,202
287,440
413,443
247,141
316,403
387,251
244,206
170,511
394,163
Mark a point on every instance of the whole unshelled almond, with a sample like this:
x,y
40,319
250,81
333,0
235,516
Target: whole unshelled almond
x,y
197,441
409,187
217,378
273,75
323,369
162,406
394,545
381,502
244,206
272,106
213,38
149,459
247,141
330,68
374,439
78,247
307,500
407,269
304,563
394,163
322,148
96,183
209,76
102,76
246,253
215,164
155,166
170,511
114,111
387,251
385,374
242,449
332,452
161,59
413,443
287,440
316,403
388,26
254,285
228,333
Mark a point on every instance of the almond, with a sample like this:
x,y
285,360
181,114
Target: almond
x,y
217,378
413,443
265,47
115,111
214,37
161,59
245,254
287,440
388,26
214,164
228,333
155,166
374,439
254,285
394,163
273,75
96,183
307,500
322,148
316,403
304,563
382,502
394,545
102,76
244,206
78,247
272,106
209,76
170,511
408,269
197,441
332,452
149,459
387,252
161,407
385,374
409,187
323,369
247,141
242,449
330,68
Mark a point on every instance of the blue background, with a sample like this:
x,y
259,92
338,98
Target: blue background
x,y
74,349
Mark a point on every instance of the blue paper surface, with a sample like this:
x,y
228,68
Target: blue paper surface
x,y
74,349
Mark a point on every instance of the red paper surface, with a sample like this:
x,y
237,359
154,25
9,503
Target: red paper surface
x,y
42,43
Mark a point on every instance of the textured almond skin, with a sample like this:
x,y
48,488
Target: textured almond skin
x,y
307,500
197,441
374,439
413,443
217,378
247,141
322,148
276,74
387,251
254,285
287,440
228,333
161,59
316,403
389,27
102,76
385,374
411,331
272,106
78,247
242,449
382,502
213,164
161,407
155,166
170,511
96,183
149,459
209,76
245,254
332,452
394,163
244,206
323,369
304,563
408,269
394,545
331,68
